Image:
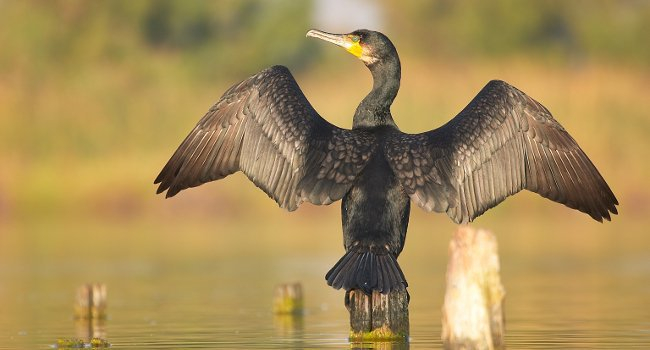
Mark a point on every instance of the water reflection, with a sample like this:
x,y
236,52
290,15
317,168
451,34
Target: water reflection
x,y
207,301
291,328
87,329
288,325
381,345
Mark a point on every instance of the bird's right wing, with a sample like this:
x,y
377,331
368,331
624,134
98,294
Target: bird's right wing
x,y
501,143
265,127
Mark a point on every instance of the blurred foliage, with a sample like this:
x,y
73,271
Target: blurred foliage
x,y
95,95
577,29
67,66
68,35
41,38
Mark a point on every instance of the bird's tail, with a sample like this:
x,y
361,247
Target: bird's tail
x,y
367,269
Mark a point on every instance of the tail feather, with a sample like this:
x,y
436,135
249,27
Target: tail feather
x,y
367,270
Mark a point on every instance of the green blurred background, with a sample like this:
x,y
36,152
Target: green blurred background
x,y
96,95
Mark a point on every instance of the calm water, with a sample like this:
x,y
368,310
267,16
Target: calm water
x,y
161,298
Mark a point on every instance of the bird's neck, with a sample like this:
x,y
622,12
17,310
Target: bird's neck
x,y
374,110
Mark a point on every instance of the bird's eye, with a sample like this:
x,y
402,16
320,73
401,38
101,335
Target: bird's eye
x,y
355,38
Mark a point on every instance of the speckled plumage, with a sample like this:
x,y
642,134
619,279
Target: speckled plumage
x,y
265,127
501,143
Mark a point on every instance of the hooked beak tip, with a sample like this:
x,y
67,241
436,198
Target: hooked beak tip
x,y
336,39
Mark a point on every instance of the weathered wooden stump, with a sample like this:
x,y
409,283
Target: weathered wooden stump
x,y
472,314
288,299
378,317
288,309
90,301
90,314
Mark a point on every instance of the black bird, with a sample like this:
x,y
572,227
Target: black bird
x,y
501,143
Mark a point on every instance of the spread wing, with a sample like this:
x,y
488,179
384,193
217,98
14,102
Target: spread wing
x,y
501,143
265,127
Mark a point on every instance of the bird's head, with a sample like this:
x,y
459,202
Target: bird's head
x,y
367,45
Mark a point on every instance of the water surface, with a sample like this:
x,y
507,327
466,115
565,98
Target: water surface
x,y
171,288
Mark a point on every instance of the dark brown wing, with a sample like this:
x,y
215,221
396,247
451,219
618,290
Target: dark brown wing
x,y
501,143
265,127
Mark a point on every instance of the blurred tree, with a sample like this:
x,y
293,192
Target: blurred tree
x,y
547,28
67,65
84,84
76,33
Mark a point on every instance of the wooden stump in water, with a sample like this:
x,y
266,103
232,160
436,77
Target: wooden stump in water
x,y
90,315
288,299
90,301
472,314
378,317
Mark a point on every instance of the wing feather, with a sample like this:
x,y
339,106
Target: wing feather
x,y
266,128
501,143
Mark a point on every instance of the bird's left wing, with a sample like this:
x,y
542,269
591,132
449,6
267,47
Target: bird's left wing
x,y
501,143
265,127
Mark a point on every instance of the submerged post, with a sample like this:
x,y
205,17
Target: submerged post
x,y
472,314
378,317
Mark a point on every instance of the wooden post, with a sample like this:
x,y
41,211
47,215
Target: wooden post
x,y
378,317
90,317
288,299
472,314
90,301
288,309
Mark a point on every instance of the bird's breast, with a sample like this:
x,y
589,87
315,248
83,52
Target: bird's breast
x,y
376,207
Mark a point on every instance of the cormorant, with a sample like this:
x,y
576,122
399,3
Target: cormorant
x,y
501,143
